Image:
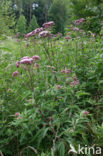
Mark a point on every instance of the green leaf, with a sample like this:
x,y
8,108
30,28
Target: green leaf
x,y
61,149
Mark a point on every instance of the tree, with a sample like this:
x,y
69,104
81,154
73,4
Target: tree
x,y
58,13
21,25
6,17
33,24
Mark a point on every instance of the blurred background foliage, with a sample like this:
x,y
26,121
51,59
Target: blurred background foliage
x,y
40,11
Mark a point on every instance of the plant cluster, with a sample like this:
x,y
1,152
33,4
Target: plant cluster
x,y
51,92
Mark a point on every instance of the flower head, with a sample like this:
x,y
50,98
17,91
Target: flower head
x,y
26,61
48,24
17,114
9,89
66,71
67,37
79,21
28,35
34,32
36,57
76,82
58,86
75,29
85,112
44,34
15,73
59,34
17,64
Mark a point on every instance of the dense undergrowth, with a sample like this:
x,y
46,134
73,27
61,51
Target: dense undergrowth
x,y
56,100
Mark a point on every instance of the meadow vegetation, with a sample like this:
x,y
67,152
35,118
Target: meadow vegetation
x,y
51,77
51,92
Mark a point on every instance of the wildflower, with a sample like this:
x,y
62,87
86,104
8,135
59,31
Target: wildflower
x,y
28,35
85,112
69,33
15,73
38,30
75,29
34,32
26,61
17,114
9,89
36,65
44,34
48,24
58,86
36,57
62,71
67,37
17,64
59,34
76,82
66,71
18,34
25,39
71,84
79,21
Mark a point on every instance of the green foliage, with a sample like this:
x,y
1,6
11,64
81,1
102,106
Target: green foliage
x,y
33,24
6,17
59,97
92,24
21,25
91,11
58,13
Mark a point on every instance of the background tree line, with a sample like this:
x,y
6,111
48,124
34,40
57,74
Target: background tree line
x,y
26,15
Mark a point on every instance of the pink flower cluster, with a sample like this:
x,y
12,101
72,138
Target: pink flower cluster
x,y
36,57
79,21
34,32
85,112
15,73
58,86
27,60
18,34
9,89
17,114
44,34
59,34
67,37
48,24
66,71
75,29
75,82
